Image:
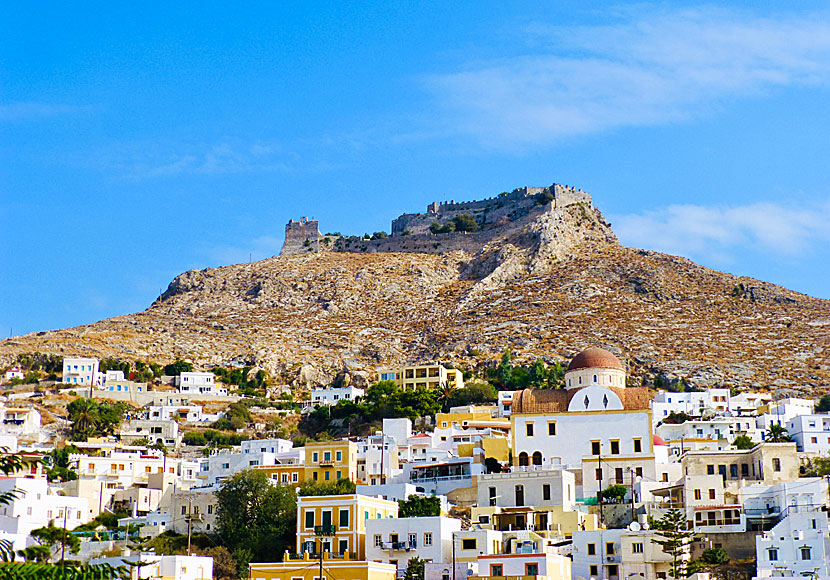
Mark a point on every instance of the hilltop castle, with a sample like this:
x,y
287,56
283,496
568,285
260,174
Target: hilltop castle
x,y
416,232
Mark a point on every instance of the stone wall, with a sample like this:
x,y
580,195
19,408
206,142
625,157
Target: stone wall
x,y
301,237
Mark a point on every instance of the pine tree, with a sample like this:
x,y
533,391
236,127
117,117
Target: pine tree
x,y
676,540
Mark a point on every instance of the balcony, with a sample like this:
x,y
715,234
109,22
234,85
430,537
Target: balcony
x,y
399,546
325,530
326,462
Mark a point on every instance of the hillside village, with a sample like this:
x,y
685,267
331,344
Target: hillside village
x,y
426,471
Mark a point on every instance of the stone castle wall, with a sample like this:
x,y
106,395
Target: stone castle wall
x,y
301,237
496,216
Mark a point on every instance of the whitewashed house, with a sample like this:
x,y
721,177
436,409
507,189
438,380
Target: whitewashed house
x,y
80,371
811,433
175,567
333,395
200,383
797,545
396,541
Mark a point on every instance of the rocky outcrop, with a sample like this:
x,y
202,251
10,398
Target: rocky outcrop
x,y
546,286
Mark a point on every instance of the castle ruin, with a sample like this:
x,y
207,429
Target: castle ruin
x,y
411,231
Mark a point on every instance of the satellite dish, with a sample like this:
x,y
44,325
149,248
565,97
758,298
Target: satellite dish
x,y
646,526
634,526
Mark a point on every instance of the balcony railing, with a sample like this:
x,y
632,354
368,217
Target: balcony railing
x,y
325,530
398,545
327,462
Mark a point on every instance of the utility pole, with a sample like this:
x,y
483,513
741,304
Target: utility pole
x,y
599,485
189,522
322,532
633,516
63,539
453,556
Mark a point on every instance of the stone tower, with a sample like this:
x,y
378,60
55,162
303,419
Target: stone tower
x,y
301,237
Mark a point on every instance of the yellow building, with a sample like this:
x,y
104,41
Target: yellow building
x,y
285,473
345,515
307,567
331,460
429,376
547,521
471,417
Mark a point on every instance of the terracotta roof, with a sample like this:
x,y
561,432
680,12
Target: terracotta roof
x,y
557,400
595,358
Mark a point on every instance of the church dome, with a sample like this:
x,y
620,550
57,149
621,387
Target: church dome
x,y
595,358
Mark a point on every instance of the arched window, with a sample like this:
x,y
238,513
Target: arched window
x,y
595,378
580,380
523,458
537,458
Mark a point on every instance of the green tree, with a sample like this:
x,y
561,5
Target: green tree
x,y
714,557
505,372
474,393
465,223
224,565
56,538
743,442
343,486
675,540
823,405
777,434
538,373
177,368
255,517
416,506
614,492
414,569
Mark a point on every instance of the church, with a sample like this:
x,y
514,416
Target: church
x,y
597,427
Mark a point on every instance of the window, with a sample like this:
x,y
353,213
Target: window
x,y
496,570
710,470
615,447
594,570
529,429
711,494
638,446
637,547
551,428
492,492
326,476
531,569
609,548
744,470
697,494
344,518
618,474
210,508
613,571
327,456
733,470
806,553
378,540
592,549
315,456
598,474
546,491
638,471
776,464
343,546
413,540
772,554
427,538
595,448
309,518
339,456
468,544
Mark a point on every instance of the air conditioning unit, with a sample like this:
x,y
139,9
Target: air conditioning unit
x,y
609,558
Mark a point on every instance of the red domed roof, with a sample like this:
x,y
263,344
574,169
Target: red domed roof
x,y
595,358
659,440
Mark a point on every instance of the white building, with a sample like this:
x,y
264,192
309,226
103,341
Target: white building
x,y
537,488
176,567
767,503
34,507
278,447
811,433
333,395
797,545
153,430
596,424
396,541
224,464
110,376
12,374
715,434
80,371
693,403
190,413
505,403
197,382
20,422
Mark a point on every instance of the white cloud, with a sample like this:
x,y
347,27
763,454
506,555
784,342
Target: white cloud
x,y
720,233
644,70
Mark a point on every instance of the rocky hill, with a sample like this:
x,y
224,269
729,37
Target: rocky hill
x,y
547,285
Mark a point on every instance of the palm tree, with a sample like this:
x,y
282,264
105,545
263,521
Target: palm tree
x,y
777,434
444,394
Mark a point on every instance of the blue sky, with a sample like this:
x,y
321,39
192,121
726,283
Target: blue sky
x,y
139,141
